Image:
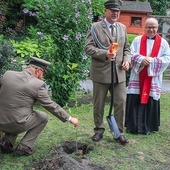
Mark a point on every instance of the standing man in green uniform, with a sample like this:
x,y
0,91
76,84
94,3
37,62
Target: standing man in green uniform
x,y
98,40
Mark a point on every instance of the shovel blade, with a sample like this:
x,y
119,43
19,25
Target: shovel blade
x,y
113,126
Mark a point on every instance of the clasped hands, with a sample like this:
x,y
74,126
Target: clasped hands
x,y
112,57
146,61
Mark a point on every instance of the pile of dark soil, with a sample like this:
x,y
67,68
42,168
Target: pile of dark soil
x,y
71,155
63,158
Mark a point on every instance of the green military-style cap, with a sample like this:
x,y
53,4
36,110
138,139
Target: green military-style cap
x,y
40,63
113,4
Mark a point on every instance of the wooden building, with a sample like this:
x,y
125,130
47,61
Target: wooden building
x,y
133,15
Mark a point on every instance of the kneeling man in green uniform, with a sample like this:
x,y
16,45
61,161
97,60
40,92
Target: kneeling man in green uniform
x,y
19,91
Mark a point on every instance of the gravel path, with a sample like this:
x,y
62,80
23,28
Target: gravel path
x,y
87,86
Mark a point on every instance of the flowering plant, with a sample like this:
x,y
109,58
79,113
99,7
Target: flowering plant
x,y
66,22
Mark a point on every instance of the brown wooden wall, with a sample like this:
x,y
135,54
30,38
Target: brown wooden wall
x,y
125,18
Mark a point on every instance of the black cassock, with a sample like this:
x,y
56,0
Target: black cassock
x,y
142,118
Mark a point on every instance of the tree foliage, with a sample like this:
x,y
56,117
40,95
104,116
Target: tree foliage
x,y
7,56
57,33
159,6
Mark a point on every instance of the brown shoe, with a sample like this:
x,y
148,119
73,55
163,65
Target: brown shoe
x,y
122,140
96,137
6,146
24,150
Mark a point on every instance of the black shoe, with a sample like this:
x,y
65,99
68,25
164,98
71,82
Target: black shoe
x,y
6,146
122,140
96,137
24,150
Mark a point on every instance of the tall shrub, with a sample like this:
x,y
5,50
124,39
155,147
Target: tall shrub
x,y
67,23
7,56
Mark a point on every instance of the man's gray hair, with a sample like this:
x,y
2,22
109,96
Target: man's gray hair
x,y
151,19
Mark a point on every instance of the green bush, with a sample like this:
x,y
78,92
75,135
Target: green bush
x,y
33,45
57,33
7,56
13,22
131,37
58,36
98,9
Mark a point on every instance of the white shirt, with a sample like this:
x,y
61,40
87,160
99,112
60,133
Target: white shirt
x,y
109,26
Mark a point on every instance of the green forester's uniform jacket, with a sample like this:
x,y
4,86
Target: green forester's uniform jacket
x,y
19,91
100,70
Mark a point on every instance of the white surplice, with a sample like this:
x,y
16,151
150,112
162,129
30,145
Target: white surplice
x,y
155,69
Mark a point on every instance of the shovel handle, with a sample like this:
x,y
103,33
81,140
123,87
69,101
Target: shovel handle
x,y
112,88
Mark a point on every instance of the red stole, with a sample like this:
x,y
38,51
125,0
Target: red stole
x,y
144,79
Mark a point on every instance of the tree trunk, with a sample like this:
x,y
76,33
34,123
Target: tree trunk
x,y
1,134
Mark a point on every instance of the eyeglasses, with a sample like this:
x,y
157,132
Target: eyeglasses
x,y
114,10
149,28
43,71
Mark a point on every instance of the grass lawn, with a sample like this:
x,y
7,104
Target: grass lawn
x,y
142,153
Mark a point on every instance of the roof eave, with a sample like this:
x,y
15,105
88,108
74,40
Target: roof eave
x,y
130,11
